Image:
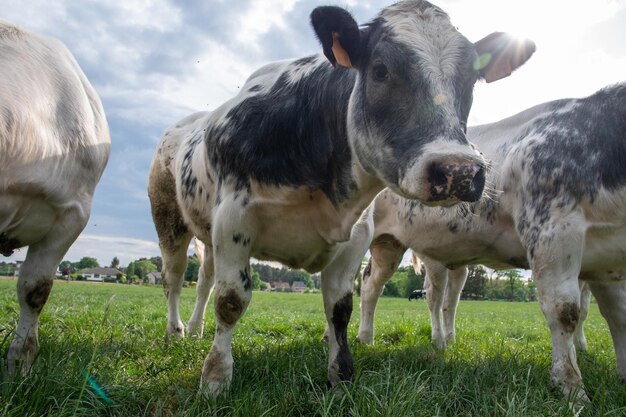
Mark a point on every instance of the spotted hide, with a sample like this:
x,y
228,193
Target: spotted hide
x,y
284,170
556,204
54,145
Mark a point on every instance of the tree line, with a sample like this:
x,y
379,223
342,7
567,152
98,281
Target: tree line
x,y
480,285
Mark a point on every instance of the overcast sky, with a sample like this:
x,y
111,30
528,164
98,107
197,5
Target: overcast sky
x,y
155,61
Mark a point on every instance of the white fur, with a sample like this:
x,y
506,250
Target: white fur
x,y
54,145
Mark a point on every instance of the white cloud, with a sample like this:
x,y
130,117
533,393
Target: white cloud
x,y
261,17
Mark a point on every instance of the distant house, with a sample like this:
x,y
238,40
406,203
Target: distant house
x,y
99,274
279,286
298,286
154,278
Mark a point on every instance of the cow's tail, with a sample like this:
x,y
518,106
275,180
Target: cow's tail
x,y
417,263
199,246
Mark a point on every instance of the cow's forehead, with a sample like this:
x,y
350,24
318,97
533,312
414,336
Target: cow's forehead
x,y
427,31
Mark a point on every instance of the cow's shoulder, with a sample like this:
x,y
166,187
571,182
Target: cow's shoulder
x,y
286,127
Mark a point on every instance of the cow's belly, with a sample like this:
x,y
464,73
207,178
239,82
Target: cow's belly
x,y
295,244
605,249
24,220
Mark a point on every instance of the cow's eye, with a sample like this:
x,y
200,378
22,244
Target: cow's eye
x,y
380,72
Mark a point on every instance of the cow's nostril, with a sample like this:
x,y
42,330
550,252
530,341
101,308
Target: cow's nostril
x,y
437,175
478,183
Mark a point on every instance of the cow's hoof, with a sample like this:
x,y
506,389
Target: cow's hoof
x,y
213,389
341,370
217,372
366,338
439,343
175,330
20,356
195,329
450,339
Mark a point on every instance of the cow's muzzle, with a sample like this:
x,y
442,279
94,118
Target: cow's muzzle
x,y
456,181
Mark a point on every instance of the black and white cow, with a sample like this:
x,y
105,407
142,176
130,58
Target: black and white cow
x,y
417,295
284,170
557,204
54,145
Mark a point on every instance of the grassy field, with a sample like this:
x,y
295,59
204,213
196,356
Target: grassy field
x,y
112,337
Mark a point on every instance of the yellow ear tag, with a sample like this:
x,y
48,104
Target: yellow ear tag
x,y
340,54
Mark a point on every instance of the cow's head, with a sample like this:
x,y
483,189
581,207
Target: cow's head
x,y
413,93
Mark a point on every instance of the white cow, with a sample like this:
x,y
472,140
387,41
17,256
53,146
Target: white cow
x,y
557,205
284,170
54,145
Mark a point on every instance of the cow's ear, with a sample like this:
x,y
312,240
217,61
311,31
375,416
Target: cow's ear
x,y
499,54
339,35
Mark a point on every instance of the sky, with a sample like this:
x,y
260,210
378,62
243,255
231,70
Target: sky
x,y
155,61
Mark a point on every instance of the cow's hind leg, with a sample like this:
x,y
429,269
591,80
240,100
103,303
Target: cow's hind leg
x,y
35,282
580,340
386,254
435,286
195,326
611,297
174,238
456,282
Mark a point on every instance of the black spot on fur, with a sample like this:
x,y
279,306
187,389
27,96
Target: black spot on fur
x,y
245,278
237,237
37,297
568,316
341,317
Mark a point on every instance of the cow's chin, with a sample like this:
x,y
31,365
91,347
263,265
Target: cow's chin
x,y
425,197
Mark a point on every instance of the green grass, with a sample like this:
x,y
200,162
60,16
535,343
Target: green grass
x,y
115,334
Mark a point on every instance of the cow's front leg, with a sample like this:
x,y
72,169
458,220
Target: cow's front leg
x,y
435,286
386,254
35,282
195,327
337,293
233,289
555,254
456,282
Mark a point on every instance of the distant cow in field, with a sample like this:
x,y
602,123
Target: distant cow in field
x,y
284,170
54,145
417,295
556,203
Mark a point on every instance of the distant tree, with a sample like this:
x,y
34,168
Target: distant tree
x,y
158,262
193,265
66,268
414,281
256,279
115,262
86,263
308,281
476,284
140,269
513,284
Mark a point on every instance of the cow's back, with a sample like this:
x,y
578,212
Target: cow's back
x,y
52,123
